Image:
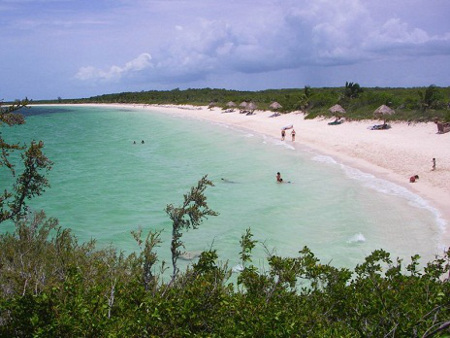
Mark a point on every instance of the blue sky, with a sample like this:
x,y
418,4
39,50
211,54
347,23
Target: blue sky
x,y
82,48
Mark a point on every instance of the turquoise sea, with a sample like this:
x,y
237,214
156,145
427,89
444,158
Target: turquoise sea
x,y
103,186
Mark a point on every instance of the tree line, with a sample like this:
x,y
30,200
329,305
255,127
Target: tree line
x,y
420,104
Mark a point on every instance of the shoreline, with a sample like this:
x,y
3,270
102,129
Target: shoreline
x,y
394,154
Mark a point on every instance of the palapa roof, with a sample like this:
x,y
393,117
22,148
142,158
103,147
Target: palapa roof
x,y
337,109
251,106
275,105
384,110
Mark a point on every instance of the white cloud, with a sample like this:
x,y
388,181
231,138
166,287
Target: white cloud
x,y
281,35
190,41
395,31
115,73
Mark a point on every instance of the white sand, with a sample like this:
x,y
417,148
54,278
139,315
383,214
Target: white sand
x,y
394,154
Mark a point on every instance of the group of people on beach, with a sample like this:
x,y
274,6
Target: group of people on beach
x,y
283,134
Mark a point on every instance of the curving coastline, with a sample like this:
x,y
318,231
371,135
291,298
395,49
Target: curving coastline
x,y
394,154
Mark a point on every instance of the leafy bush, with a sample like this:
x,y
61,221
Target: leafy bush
x,y
53,286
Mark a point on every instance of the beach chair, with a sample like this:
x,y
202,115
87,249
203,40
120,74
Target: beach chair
x,y
443,127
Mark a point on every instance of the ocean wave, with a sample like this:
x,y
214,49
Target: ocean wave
x,y
276,142
356,238
237,268
386,187
324,159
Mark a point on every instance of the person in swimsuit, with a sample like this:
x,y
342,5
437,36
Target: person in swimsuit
x,y
293,135
279,179
283,134
227,180
414,178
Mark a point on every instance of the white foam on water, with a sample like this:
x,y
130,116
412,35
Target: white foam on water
x,y
324,159
238,268
386,187
277,142
357,238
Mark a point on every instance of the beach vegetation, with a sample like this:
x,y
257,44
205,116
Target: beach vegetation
x,y
431,98
420,104
30,180
352,90
447,116
305,98
410,104
188,216
51,285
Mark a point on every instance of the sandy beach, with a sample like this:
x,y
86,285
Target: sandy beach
x,y
394,154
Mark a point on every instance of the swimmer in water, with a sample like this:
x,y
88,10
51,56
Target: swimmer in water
x,y
279,179
227,181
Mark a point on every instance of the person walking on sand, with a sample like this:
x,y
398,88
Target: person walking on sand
x,y
283,134
293,135
434,164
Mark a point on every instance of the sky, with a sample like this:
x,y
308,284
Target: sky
x,y
80,48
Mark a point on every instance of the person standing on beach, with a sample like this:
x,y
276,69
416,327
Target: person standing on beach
x,y
293,135
434,164
283,134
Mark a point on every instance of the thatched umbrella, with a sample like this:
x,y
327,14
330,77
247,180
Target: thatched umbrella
x,y
211,104
337,110
230,106
275,105
251,106
383,111
243,106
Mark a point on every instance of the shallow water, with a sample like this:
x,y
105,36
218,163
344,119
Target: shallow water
x,y
104,186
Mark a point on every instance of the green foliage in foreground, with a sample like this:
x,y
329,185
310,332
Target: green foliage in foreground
x,y
52,286
31,181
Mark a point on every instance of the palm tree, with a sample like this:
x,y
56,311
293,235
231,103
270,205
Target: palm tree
x,y
305,98
430,98
352,90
